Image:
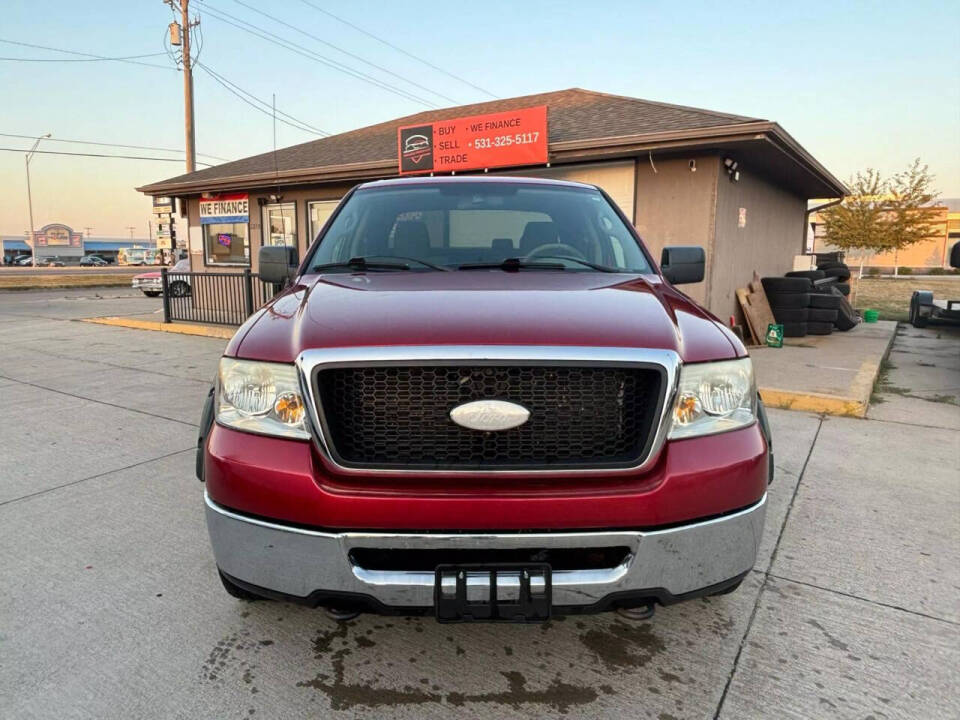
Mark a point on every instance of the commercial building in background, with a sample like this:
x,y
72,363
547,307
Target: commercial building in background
x,y
61,241
930,254
737,186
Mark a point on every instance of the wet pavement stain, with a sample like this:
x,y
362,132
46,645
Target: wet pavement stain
x,y
623,646
334,645
232,657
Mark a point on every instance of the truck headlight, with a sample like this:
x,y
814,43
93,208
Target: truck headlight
x,y
261,397
714,397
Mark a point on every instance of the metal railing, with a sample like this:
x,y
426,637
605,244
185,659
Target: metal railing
x,y
216,298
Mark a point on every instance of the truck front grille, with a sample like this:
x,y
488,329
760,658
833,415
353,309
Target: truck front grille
x,y
398,416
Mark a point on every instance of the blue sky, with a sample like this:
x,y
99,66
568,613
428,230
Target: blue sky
x,y
857,84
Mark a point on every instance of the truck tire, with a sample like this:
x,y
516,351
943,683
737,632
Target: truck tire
x,y
823,315
844,288
788,300
797,329
846,316
819,328
790,315
825,301
840,273
774,285
809,274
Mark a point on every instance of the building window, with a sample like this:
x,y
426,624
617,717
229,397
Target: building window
x,y
319,212
226,244
280,224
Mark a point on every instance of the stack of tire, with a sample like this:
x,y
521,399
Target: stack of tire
x,y
837,270
805,309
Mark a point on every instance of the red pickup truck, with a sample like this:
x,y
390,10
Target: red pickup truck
x,y
481,399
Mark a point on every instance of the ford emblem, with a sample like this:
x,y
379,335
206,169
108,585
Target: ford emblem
x,y
489,415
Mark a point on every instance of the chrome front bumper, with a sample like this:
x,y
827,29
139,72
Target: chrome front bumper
x,y
297,562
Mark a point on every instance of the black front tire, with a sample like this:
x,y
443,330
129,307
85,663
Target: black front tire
x,y
151,293
179,289
234,590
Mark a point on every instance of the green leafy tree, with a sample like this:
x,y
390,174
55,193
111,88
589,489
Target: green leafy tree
x,y
880,214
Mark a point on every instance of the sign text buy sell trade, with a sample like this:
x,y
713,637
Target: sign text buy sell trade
x,y
515,137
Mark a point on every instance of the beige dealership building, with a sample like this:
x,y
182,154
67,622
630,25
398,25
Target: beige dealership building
x,y
737,186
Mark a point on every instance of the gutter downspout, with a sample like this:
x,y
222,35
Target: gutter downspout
x,y
810,211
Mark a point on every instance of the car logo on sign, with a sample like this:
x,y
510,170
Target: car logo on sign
x,y
489,415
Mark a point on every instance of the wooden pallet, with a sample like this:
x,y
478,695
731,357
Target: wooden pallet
x,y
756,309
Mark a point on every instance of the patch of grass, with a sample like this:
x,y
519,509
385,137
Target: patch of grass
x,y
891,296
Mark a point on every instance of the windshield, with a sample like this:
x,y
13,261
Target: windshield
x,y
462,224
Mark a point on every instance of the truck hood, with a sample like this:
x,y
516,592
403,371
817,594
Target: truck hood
x,y
482,307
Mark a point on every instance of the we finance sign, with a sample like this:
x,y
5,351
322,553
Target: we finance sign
x,y
504,139
226,208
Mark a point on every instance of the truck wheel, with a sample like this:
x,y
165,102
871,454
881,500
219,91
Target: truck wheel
x,y
844,288
846,315
797,329
151,293
819,328
840,273
234,590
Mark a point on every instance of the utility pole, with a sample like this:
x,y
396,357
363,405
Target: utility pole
x,y
88,229
131,228
180,35
26,158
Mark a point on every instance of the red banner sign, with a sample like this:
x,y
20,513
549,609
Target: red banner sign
x,y
515,137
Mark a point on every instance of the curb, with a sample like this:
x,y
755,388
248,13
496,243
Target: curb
x,y
223,333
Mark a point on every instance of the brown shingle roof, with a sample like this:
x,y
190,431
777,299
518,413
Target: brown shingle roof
x,y
572,115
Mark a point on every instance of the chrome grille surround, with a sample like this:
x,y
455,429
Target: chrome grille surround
x,y
310,362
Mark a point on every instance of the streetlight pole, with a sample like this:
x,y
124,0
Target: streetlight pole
x,y
26,159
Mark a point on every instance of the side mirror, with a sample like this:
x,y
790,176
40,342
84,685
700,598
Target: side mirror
x,y
683,264
278,263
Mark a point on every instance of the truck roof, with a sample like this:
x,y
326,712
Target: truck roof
x,y
492,179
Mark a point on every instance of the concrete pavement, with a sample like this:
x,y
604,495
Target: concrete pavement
x,y
110,606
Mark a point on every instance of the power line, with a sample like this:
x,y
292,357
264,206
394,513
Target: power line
x,y
240,92
89,55
398,49
128,57
312,55
105,144
100,155
345,52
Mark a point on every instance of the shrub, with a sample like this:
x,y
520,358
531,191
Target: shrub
x,y
905,271
937,271
873,271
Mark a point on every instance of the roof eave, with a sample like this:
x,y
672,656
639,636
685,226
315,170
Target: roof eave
x,y
579,150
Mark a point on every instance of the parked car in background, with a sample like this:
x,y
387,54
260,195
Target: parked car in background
x,y
93,261
151,283
23,260
51,261
481,399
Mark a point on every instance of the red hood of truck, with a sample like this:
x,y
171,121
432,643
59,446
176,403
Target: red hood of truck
x,y
482,307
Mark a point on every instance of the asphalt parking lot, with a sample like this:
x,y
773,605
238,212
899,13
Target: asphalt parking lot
x,y
110,606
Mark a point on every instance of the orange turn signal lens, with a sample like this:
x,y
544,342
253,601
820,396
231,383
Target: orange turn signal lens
x,y
688,409
289,408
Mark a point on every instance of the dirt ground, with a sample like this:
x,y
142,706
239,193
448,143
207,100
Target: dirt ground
x,y
891,296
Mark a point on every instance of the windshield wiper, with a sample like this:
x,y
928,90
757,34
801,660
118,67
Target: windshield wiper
x,y
512,264
595,266
411,259
359,263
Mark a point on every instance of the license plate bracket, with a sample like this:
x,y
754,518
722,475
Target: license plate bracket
x,y
511,592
